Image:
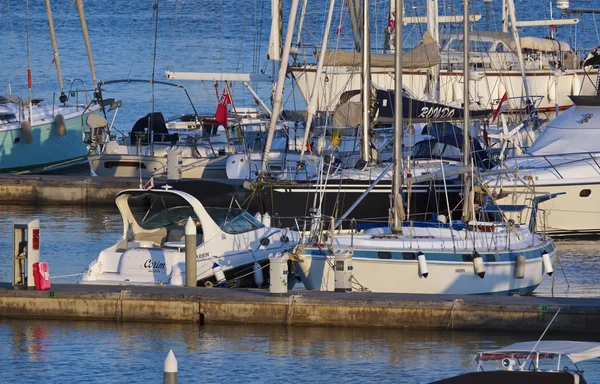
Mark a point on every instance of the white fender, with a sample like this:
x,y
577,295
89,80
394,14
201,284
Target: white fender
x,y
27,132
266,219
547,263
219,275
422,265
258,216
258,274
478,265
61,125
520,267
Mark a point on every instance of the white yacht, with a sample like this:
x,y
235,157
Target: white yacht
x,y
564,158
232,246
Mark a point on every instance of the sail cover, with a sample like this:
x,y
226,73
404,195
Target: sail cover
x,y
426,54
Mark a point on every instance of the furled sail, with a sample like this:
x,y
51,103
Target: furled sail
x,y
426,54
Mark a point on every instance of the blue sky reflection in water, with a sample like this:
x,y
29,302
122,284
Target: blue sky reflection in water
x,y
101,352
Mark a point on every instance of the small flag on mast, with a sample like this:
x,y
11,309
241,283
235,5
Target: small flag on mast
x,y
149,184
222,113
502,106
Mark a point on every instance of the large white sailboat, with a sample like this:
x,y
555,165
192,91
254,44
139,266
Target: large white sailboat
x,y
471,256
500,63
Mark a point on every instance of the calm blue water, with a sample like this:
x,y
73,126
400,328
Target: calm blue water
x,y
99,352
209,36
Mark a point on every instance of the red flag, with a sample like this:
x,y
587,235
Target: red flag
x,y
149,184
222,113
502,106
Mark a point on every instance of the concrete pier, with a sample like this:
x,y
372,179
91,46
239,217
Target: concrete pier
x,y
54,189
303,308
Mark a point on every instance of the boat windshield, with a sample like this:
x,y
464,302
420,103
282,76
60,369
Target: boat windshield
x,y
153,211
234,220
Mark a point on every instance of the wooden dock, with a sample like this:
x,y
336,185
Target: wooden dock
x,y
301,308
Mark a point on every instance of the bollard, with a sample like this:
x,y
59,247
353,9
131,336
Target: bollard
x,y
190,253
174,163
343,270
278,272
170,369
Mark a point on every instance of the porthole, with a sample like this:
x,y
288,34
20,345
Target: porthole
x,y
384,255
585,193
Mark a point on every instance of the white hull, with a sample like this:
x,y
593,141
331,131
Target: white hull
x,y
458,278
568,214
488,90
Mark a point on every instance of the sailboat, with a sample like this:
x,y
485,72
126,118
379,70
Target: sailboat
x,y
470,256
37,136
551,68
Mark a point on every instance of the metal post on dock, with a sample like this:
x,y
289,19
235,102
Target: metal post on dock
x,y
170,369
190,253
343,270
278,272
174,163
26,252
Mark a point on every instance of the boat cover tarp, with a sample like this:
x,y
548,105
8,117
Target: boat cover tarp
x,y
426,54
570,132
575,350
545,45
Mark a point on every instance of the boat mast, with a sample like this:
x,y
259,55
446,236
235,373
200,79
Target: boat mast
x,y
86,39
466,210
29,82
398,120
513,26
366,85
312,102
277,101
63,97
353,7
433,28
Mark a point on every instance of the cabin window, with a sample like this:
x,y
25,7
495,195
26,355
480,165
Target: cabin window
x,y
585,193
152,211
500,48
234,220
384,255
467,257
409,256
17,139
489,257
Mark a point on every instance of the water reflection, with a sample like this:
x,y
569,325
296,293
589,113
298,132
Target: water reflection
x,y
110,352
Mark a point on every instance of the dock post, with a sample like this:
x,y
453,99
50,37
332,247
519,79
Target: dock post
x,y
278,272
190,253
170,369
343,270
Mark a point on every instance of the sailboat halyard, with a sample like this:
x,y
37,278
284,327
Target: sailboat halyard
x,y
467,257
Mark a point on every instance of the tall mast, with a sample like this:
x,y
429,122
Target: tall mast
x,y
29,82
517,39
277,101
63,97
398,117
433,29
366,84
353,7
466,152
312,102
86,39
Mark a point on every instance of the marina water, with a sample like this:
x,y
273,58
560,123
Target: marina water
x,y
210,37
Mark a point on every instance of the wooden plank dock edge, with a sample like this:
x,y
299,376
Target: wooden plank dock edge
x,y
302,308
54,189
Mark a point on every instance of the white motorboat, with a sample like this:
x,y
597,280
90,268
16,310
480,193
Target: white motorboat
x,y
564,158
152,248
531,362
